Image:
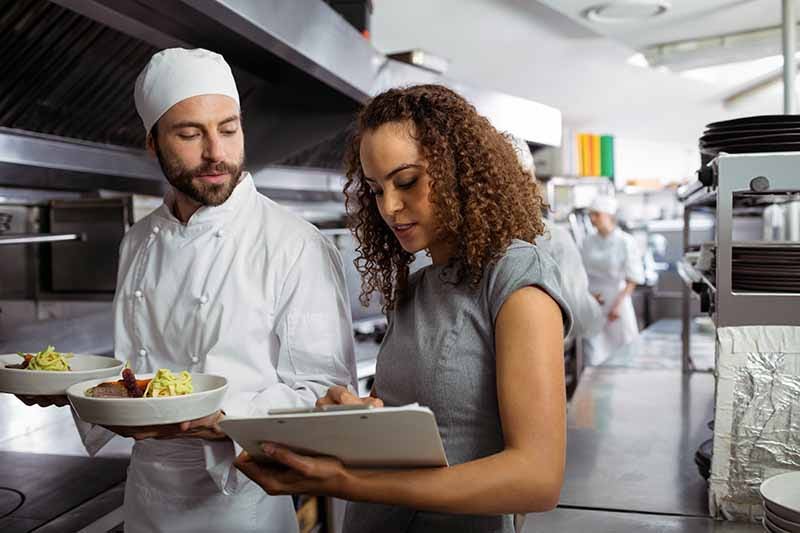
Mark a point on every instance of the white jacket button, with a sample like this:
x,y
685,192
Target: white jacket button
x,y
220,233
138,294
143,352
204,299
156,229
195,359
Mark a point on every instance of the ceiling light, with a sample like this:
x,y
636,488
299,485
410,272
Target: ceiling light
x,y
733,74
627,11
638,60
422,59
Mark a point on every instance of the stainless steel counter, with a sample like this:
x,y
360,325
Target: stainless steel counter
x,y
41,455
632,435
92,333
589,521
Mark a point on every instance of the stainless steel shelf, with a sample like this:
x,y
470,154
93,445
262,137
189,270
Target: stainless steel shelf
x,y
36,238
737,308
734,197
742,199
701,199
765,244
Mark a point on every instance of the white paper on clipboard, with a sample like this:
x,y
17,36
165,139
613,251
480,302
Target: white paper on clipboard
x,y
386,437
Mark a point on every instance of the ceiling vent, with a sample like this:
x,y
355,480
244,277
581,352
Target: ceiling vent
x,y
630,11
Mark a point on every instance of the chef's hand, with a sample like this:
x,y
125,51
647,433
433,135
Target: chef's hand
x,y
203,428
145,432
599,298
613,314
341,396
43,401
295,474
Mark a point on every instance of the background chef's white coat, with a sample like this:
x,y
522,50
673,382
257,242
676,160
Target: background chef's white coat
x,y
587,316
610,262
246,290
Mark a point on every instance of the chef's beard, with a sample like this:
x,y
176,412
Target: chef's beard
x,y
183,179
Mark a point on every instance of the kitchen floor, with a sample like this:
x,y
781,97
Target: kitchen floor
x,y
633,429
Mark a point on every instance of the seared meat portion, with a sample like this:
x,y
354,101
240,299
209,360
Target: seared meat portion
x,y
127,387
108,390
24,364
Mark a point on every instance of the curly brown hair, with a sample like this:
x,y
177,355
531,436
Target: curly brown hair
x,y
482,197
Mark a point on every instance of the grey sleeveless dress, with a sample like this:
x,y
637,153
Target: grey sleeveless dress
x,y
439,351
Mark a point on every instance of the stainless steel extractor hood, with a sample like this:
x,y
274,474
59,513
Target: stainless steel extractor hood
x,y
302,72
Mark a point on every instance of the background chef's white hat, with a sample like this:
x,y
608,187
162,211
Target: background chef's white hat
x,y
175,74
604,204
524,155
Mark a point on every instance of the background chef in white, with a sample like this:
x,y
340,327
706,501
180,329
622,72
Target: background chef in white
x,y
587,316
222,280
614,266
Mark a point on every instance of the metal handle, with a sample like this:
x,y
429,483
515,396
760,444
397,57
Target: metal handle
x,y
35,238
688,190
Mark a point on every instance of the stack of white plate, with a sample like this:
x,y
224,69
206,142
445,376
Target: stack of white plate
x,y
781,495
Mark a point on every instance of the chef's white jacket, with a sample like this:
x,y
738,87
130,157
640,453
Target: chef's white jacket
x,y
587,316
246,290
610,263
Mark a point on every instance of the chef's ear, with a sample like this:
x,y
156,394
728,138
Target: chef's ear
x,y
151,140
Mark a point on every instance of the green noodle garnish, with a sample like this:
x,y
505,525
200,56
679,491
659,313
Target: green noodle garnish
x,y
165,383
49,359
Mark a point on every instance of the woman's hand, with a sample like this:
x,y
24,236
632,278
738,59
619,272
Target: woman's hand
x,y
295,474
342,396
613,314
291,473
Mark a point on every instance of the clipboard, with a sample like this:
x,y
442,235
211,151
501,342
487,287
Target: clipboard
x,y
383,437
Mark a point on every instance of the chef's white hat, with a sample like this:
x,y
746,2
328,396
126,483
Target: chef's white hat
x,y
604,204
175,74
524,155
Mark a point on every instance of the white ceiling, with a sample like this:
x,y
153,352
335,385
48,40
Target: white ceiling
x,y
686,19
528,49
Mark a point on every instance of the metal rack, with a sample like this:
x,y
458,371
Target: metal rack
x,y
745,184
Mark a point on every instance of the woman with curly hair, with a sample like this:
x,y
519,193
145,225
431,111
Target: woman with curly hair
x,y
476,336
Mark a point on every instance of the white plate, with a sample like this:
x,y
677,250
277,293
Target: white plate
x,y
782,494
791,527
772,528
209,391
44,382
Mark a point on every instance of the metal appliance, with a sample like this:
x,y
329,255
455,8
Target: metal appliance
x,y
88,266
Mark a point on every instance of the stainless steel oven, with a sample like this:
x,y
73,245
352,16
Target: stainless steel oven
x,y
90,265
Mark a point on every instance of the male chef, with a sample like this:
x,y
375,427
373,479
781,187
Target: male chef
x,y
222,280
